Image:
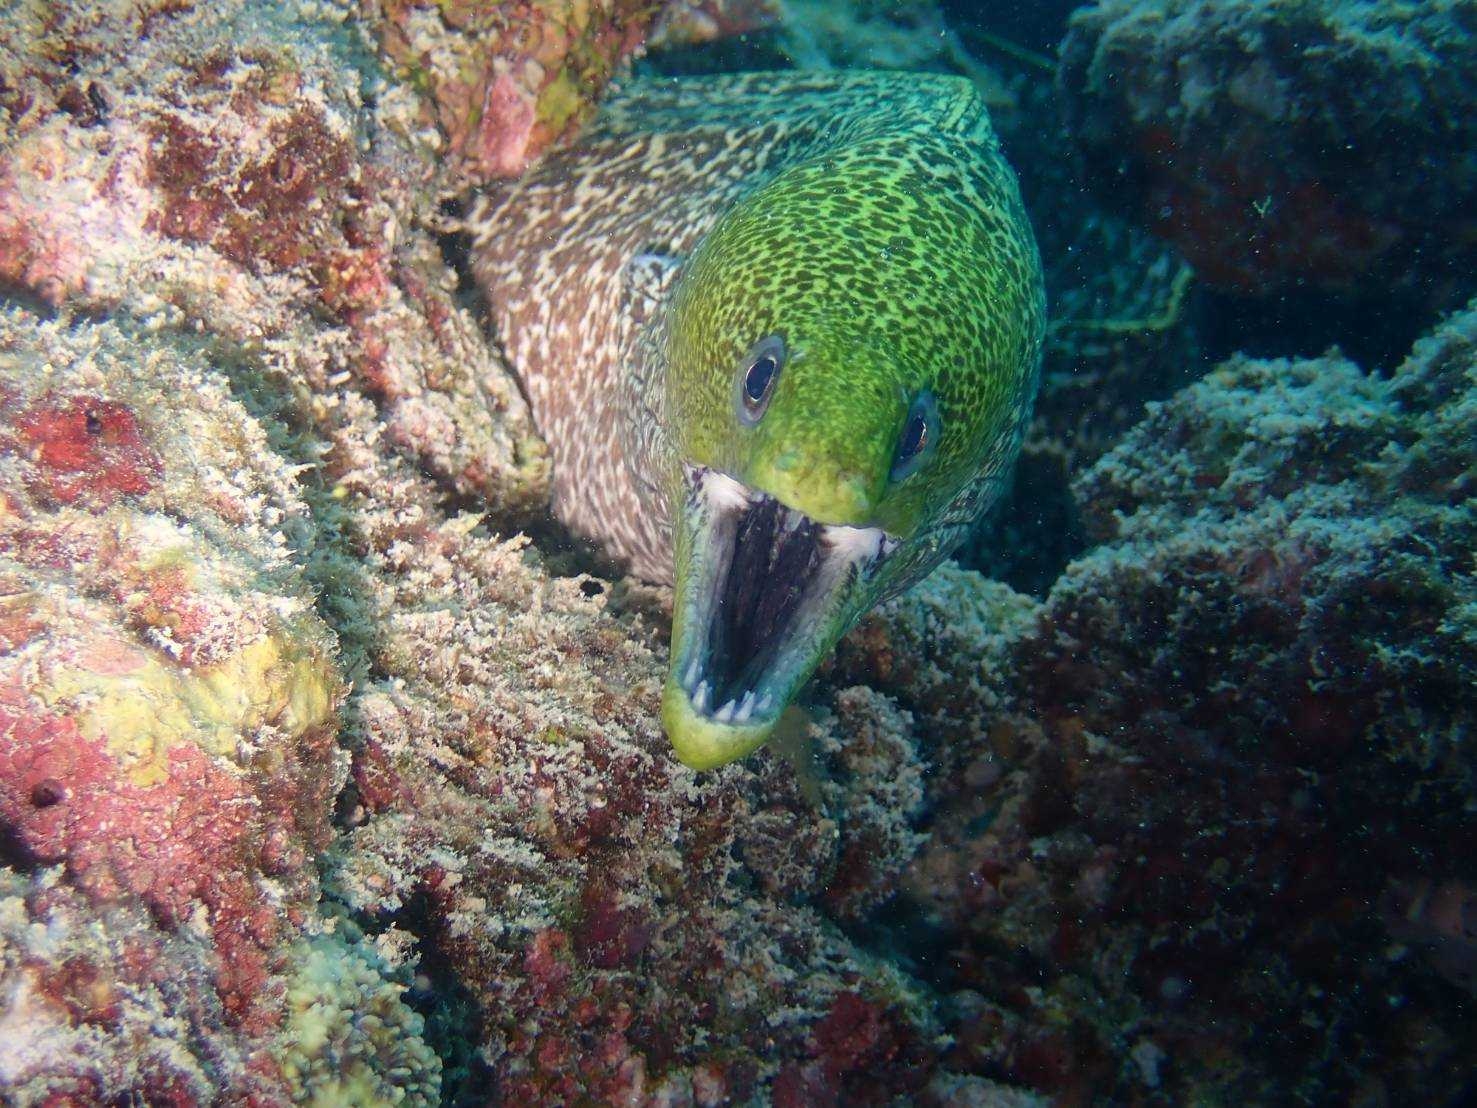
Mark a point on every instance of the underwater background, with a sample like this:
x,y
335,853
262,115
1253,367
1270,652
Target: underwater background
x,y
330,766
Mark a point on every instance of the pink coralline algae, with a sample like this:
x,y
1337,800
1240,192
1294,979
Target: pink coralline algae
x,y
89,987
86,450
221,168
168,698
189,841
253,636
505,81
861,1054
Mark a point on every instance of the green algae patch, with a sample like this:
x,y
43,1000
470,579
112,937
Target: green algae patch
x,y
143,705
349,1037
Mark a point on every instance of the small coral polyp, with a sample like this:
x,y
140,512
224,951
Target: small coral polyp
x,y
349,1037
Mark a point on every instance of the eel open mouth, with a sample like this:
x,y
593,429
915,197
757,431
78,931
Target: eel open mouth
x,y
763,592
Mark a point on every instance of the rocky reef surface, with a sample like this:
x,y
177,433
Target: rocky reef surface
x,y
322,781
1317,142
1218,794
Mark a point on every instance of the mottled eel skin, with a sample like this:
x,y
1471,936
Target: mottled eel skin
x,y
781,332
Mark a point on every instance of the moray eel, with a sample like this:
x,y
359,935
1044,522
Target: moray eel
x,y
781,332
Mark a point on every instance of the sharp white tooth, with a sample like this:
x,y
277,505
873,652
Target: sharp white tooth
x,y
700,698
745,708
725,713
689,679
764,702
854,543
723,491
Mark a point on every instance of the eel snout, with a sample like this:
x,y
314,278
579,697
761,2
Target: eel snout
x,y
762,594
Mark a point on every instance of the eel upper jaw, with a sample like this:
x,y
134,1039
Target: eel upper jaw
x,y
762,593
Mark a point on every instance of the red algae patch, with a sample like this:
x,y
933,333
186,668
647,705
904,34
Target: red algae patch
x,y
86,450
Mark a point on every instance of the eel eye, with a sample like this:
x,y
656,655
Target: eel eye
x,y
918,439
757,375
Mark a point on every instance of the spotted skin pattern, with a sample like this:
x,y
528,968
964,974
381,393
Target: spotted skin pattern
x,y
867,220
868,217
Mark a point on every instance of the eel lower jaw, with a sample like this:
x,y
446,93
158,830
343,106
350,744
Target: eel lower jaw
x,y
762,594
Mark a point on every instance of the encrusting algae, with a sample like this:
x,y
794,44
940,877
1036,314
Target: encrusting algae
x,y
168,718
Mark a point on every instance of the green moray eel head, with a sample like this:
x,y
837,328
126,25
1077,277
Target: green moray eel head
x,y
849,357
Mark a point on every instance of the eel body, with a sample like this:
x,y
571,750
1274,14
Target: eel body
x,y
781,332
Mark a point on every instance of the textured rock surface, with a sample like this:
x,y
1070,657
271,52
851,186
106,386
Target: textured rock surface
x,y
504,81
167,692
168,762
242,496
102,1005
514,803
1323,142
243,169
1225,793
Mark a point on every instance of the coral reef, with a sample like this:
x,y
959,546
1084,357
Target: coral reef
x,y
1321,142
318,782
168,762
102,1006
166,692
514,804
504,81
1123,332
349,1037
229,171
244,494
1224,795
698,23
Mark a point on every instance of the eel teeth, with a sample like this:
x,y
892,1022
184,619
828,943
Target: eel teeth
x,y
859,544
722,491
774,558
